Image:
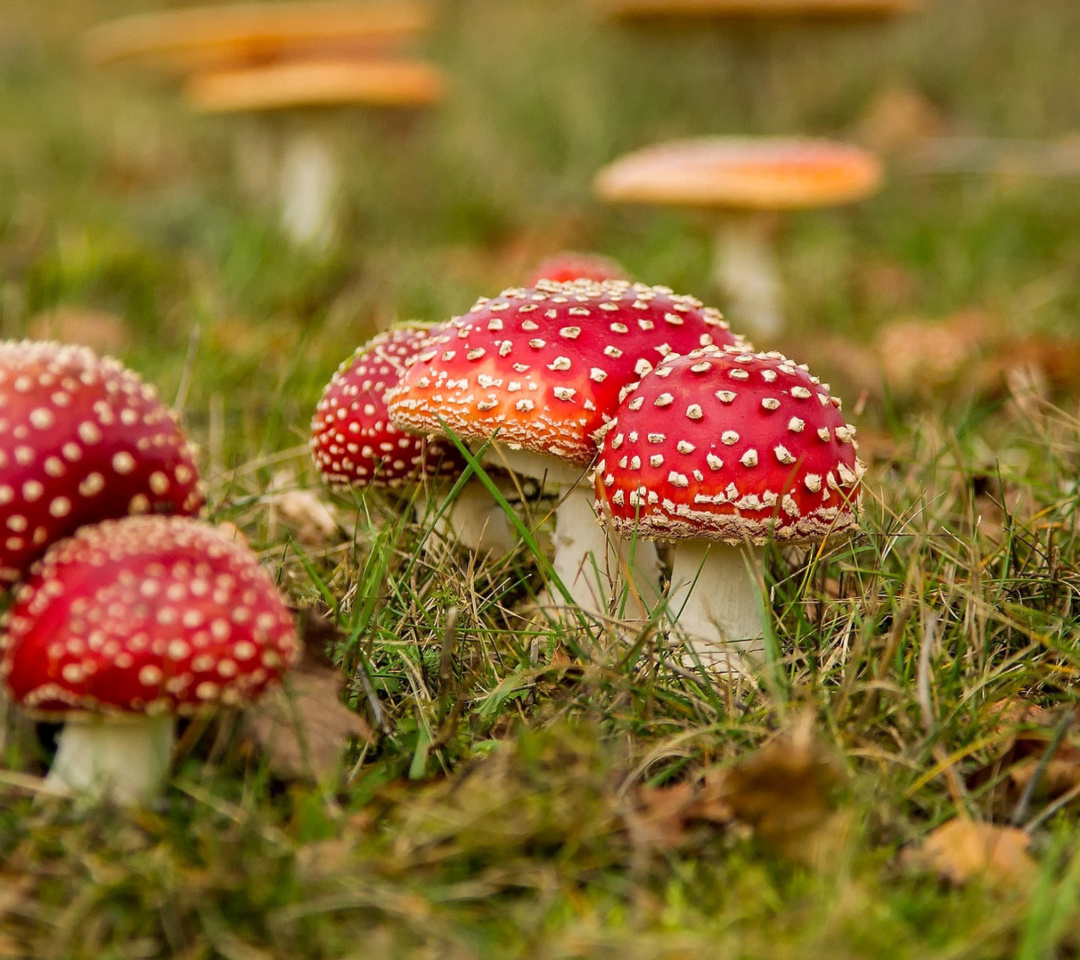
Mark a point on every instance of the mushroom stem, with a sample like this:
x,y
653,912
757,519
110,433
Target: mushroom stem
x,y
473,521
746,271
125,757
715,604
586,559
581,552
310,183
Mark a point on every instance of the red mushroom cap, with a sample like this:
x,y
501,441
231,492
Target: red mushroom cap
x,y
82,439
732,446
544,367
353,440
145,614
571,265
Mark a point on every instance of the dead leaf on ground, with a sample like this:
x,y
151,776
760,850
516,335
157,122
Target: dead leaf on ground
x,y
917,357
304,727
964,850
784,793
899,119
302,512
1027,733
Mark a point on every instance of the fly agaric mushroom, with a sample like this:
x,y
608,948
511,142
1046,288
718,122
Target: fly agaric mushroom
x,y
540,371
310,169
743,182
82,439
571,265
355,444
723,451
229,35
129,623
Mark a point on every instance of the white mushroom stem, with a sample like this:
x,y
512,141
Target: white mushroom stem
x,y
586,560
124,757
310,185
746,271
473,521
715,604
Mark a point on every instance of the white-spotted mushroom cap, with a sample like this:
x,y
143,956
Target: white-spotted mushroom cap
x,y
732,446
82,439
353,441
742,173
544,367
159,615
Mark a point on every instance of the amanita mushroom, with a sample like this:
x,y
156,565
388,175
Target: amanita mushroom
x,y
82,439
742,181
355,444
229,35
128,624
540,371
722,452
310,170
572,265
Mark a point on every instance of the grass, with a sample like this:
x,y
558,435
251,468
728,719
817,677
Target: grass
x,y
496,811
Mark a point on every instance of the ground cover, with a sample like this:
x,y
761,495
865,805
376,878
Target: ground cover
x,y
556,792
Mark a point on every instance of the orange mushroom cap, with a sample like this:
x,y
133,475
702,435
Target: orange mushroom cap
x,y
745,173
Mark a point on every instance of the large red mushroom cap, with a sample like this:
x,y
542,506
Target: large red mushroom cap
x,y
731,446
544,367
82,439
154,615
353,440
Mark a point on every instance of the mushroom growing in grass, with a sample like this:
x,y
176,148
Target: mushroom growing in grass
x,y
572,265
311,167
539,372
355,444
82,439
721,452
128,624
744,182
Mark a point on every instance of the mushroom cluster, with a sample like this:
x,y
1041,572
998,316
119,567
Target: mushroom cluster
x,y
536,374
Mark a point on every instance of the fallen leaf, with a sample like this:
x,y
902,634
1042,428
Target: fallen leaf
x,y
302,512
899,119
1027,733
964,850
783,793
303,726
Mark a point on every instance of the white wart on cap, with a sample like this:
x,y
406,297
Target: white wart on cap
x,y
82,439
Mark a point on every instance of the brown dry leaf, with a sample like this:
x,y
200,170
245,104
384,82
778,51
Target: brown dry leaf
x,y
102,332
303,727
1027,732
963,850
783,793
899,119
302,512
918,356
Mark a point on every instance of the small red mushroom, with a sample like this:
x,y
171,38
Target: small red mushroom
x,y
129,623
541,371
571,265
723,451
82,439
355,444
